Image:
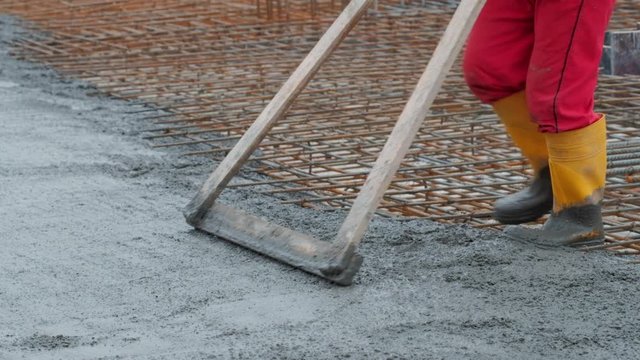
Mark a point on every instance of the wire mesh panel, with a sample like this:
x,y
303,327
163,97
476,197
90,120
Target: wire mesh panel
x,y
212,66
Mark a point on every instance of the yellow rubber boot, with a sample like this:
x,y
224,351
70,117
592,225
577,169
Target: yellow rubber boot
x,y
514,113
535,200
578,165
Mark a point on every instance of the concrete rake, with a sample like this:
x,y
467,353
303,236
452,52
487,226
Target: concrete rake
x,y
338,260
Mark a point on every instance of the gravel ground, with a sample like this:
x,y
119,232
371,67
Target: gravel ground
x,y
98,263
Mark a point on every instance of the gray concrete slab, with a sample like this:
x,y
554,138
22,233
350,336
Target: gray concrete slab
x,y
96,261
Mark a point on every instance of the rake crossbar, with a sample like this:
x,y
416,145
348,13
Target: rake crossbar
x,y
338,260
281,243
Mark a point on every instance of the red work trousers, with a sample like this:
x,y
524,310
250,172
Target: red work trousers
x,y
549,48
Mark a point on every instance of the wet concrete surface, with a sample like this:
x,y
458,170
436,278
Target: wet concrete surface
x,y
96,261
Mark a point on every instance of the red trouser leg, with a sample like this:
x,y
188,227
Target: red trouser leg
x,y
560,41
496,59
563,72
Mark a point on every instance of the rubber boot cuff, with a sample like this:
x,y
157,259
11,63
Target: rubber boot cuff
x,y
578,165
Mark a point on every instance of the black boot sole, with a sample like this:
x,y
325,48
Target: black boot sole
x,y
515,219
528,204
533,236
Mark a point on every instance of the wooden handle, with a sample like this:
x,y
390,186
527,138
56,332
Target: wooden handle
x,y
213,186
396,147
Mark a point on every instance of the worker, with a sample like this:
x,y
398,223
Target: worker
x,y
536,62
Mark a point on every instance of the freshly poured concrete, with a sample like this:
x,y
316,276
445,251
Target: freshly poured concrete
x,y
96,261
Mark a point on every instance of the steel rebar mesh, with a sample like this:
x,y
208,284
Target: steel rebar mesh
x,y
213,66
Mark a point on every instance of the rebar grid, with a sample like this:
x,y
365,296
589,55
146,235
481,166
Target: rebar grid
x,y
213,65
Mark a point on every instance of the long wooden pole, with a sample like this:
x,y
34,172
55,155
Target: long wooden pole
x,y
396,147
228,168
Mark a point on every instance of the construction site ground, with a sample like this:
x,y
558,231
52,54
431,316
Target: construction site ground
x,y
97,261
